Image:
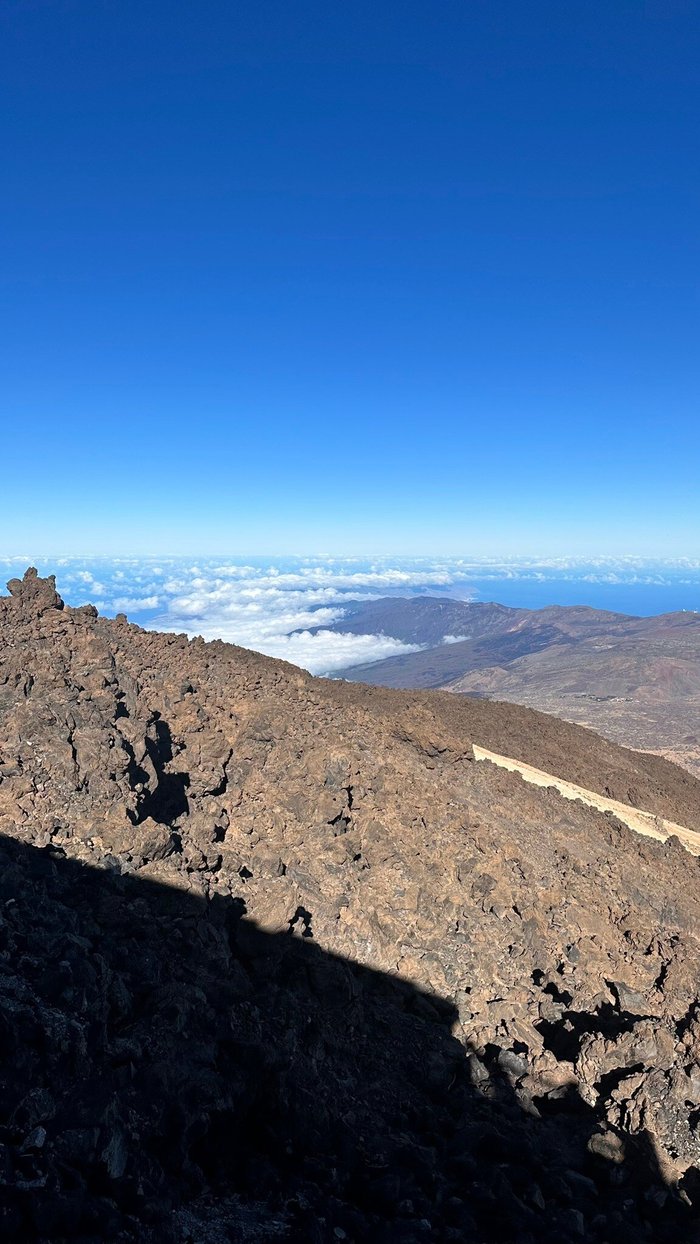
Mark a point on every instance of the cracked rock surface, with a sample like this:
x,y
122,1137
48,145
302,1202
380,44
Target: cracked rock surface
x,y
279,961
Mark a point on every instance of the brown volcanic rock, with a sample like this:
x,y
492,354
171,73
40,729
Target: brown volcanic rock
x,y
271,1072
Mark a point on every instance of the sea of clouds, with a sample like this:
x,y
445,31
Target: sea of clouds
x,y
277,606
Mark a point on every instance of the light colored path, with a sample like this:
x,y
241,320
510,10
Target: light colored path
x,y
642,822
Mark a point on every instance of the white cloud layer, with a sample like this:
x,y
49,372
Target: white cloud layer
x,y
275,606
274,611
320,653
122,604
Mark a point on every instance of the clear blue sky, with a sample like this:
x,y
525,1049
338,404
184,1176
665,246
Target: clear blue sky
x,y
403,277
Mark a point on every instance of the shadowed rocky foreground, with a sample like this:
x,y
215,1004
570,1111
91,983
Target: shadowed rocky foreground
x,y
279,961
172,1073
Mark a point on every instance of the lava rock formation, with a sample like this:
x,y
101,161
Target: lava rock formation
x,y
279,961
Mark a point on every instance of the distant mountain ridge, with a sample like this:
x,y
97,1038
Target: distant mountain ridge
x,y
635,679
423,619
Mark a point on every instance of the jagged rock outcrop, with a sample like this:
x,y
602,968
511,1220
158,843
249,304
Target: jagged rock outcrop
x,y
280,961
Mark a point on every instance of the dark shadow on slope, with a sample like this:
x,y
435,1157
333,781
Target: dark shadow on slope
x,y
169,1072
168,800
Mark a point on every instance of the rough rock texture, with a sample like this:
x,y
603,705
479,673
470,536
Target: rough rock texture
x,y
278,961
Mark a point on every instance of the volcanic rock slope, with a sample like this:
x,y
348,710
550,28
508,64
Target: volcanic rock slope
x,y
278,960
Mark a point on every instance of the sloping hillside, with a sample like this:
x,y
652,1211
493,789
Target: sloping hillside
x,y
635,680
281,961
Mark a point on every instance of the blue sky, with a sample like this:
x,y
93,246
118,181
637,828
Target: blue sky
x,y
404,278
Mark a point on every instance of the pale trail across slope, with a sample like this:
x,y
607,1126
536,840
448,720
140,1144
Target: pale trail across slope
x,y
641,822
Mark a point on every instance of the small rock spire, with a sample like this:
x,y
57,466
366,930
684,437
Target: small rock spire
x,y
34,592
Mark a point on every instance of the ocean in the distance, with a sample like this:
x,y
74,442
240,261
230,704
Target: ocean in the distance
x,y
640,599
283,606
144,586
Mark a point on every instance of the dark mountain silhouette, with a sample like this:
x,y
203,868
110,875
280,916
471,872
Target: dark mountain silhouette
x,y
424,619
278,960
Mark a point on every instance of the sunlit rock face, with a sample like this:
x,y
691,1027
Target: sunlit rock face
x,y
279,961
